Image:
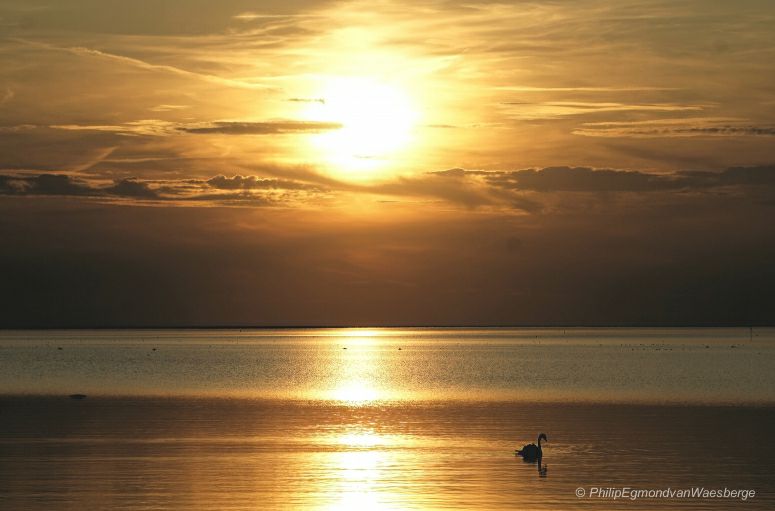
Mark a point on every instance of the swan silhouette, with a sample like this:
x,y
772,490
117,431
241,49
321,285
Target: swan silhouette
x,y
532,452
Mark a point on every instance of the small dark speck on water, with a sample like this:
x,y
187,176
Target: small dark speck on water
x,y
59,347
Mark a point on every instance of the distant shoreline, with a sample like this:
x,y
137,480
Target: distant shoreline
x,y
238,399
305,327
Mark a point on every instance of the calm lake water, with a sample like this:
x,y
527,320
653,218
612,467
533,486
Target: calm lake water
x,y
384,418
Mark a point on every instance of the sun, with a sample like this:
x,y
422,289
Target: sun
x,y
377,121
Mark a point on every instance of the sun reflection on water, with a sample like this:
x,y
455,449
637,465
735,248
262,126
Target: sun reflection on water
x,y
361,469
356,378
355,393
362,473
361,333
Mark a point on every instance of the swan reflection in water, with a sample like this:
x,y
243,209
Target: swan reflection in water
x,y
541,469
532,453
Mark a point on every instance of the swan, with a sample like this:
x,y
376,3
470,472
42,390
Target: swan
x,y
532,452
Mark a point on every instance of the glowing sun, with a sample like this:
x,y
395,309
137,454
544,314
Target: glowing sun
x,y
377,120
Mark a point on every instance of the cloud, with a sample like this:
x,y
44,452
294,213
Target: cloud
x,y
66,185
527,190
525,88
585,179
659,70
259,128
453,187
245,189
131,188
322,101
555,109
168,108
676,128
580,179
141,64
252,16
253,183
145,127
6,95
44,184
733,176
160,128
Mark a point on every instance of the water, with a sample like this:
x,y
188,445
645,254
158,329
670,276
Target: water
x,y
291,420
356,365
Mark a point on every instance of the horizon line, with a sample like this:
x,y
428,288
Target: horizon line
x,y
393,326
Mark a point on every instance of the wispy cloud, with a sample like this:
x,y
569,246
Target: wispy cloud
x,y
148,66
159,128
527,88
322,101
676,128
556,109
6,95
178,87
252,16
168,108
259,128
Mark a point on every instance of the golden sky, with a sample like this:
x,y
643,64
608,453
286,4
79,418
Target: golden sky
x,y
360,150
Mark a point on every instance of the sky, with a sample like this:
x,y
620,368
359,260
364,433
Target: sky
x,y
431,162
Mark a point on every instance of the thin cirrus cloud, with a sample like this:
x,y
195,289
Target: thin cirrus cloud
x,y
526,88
168,108
253,16
82,51
676,128
259,128
6,95
155,127
556,109
488,65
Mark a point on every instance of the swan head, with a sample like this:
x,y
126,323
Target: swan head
x,y
542,436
